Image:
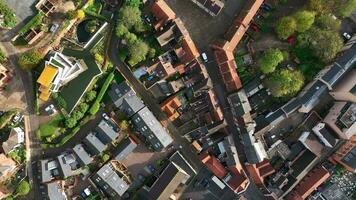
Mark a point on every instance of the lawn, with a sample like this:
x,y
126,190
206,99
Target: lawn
x,y
50,128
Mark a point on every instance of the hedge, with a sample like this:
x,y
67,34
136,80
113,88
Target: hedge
x,y
35,21
96,105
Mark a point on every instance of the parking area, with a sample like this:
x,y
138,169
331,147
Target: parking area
x,y
140,158
202,27
23,9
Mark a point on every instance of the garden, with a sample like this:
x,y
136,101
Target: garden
x,y
9,17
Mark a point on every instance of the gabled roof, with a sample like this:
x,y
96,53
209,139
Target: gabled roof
x,y
118,92
131,105
124,149
214,165
67,164
82,154
94,144
55,192
106,133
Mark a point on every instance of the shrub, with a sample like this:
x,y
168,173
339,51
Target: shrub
x,y
60,101
94,108
6,117
71,14
70,122
9,15
2,57
90,96
30,59
22,189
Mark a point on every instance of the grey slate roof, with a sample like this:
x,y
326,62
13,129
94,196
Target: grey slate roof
x,y
95,146
131,105
124,149
239,103
118,92
252,87
350,158
54,191
106,133
108,180
291,106
82,154
250,151
49,169
183,163
147,124
67,164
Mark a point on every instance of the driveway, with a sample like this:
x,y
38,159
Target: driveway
x,y
22,8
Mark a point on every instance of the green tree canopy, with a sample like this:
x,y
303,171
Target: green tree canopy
x,y
23,188
90,96
70,122
270,60
124,124
121,30
285,27
130,16
304,20
30,59
285,82
327,22
324,43
133,3
345,8
318,6
71,14
137,52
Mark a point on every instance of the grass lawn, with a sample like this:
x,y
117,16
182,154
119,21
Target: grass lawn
x,y
48,129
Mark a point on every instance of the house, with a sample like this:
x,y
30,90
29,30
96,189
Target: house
x,y
206,108
170,106
223,49
258,172
325,134
214,165
195,75
311,142
162,13
93,144
346,155
131,105
118,92
32,35
345,90
168,181
16,138
341,119
240,105
308,184
58,71
111,180
163,68
67,165
124,149
7,167
46,6
49,170
105,132
83,156
55,191
148,126
182,162
213,7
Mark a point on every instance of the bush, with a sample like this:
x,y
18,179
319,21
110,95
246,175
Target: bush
x,y
105,157
94,108
71,14
105,87
30,59
90,96
22,189
34,22
9,15
2,57
6,117
70,122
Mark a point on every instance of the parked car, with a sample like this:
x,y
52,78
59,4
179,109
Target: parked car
x,y
151,168
105,116
346,36
53,28
205,57
50,109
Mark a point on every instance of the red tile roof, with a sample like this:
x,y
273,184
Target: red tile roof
x,y
309,183
213,165
259,171
239,181
162,12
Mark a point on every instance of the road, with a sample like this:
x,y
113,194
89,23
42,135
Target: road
x,y
152,104
31,121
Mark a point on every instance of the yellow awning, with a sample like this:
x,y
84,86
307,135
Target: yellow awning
x,y
44,96
47,76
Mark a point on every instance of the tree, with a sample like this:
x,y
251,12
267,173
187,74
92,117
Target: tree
x,y
70,122
80,14
77,115
83,107
133,3
71,14
327,22
317,6
137,52
151,53
124,124
99,58
304,20
92,26
345,8
90,96
30,59
286,27
130,16
285,82
22,189
105,157
130,37
121,30
270,60
324,43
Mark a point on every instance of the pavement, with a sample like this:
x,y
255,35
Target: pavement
x,y
22,8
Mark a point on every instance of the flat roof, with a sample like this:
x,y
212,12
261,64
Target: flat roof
x,y
350,158
47,76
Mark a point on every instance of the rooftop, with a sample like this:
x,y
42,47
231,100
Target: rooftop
x,y
124,149
82,154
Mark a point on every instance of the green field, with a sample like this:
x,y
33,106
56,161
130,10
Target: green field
x,y
50,128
